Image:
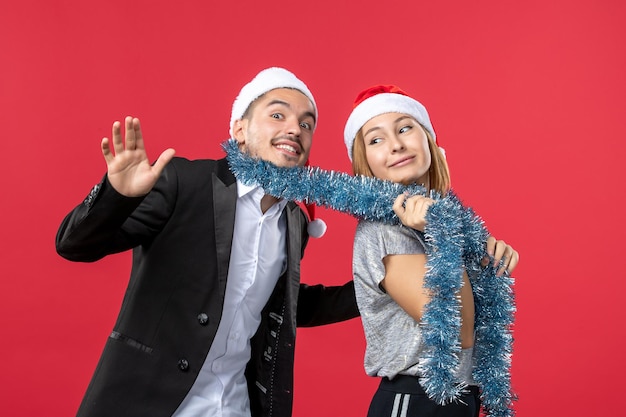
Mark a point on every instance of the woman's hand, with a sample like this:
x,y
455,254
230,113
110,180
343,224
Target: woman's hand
x,y
499,250
412,210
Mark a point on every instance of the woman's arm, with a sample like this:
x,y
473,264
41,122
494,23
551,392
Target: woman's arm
x,y
404,282
412,213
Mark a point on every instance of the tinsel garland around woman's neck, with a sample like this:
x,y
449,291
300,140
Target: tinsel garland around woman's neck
x,y
455,241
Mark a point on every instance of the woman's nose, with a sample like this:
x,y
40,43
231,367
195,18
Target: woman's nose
x,y
396,144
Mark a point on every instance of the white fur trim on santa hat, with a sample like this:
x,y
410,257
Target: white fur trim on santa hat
x,y
266,80
380,104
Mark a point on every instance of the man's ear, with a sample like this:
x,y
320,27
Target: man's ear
x,y
239,129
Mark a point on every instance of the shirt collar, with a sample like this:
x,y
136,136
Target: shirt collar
x,y
243,190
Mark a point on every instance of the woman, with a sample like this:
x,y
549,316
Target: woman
x,y
389,136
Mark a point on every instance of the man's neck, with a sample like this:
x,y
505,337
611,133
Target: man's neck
x,y
267,201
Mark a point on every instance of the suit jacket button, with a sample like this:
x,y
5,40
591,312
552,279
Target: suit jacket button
x,y
183,365
203,319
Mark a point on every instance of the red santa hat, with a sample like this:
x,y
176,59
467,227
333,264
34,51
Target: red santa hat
x,y
267,80
381,99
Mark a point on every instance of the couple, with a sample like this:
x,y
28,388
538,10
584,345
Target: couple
x,y
208,322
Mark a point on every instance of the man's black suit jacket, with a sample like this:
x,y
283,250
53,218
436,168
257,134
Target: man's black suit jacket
x,y
181,235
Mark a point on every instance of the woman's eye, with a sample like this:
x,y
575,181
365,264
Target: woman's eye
x,y
374,141
405,129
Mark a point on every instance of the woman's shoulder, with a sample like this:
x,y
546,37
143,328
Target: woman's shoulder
x,y
394,237
372,227
369,226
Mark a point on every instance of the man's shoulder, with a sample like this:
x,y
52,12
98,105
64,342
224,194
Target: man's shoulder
x,y
179,162
201,168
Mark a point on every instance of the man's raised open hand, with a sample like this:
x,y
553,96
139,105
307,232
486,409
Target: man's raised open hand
x,y
129,170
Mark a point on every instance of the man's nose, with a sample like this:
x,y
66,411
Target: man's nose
x,y
293,126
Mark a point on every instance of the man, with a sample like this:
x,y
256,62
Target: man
x,y
208,321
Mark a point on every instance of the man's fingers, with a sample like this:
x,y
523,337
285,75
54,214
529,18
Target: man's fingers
x,y
106,150
163,159
130,133
116,136
137,132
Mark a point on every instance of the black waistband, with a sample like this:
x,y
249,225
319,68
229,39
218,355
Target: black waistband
x,y
410,385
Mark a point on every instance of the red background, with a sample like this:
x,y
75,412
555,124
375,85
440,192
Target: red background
x,y
526,97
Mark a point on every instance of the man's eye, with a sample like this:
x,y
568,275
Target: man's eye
x,y
305,125
277,115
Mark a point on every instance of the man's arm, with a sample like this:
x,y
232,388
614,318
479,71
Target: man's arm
x,y
94,228
319,305
91,230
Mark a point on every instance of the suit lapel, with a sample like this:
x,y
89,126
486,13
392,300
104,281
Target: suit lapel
x,y
294,241
224,204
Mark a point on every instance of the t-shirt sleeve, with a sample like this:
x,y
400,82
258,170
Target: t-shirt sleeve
x,y
375,241
397,240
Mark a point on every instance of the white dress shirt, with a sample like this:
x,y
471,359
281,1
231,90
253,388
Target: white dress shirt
x,y
258,257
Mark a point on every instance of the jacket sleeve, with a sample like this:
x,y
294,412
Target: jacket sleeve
x,y
107,222
319,305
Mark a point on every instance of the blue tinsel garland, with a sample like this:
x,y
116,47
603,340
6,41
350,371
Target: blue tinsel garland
x,y
455,240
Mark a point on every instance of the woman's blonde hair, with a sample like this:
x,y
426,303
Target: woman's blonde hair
x,y
438,173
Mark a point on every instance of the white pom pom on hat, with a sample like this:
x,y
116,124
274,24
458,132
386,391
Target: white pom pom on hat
x,y
381,99
267,80
316,227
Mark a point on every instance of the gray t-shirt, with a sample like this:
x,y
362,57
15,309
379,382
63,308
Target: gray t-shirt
x,y
394,338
